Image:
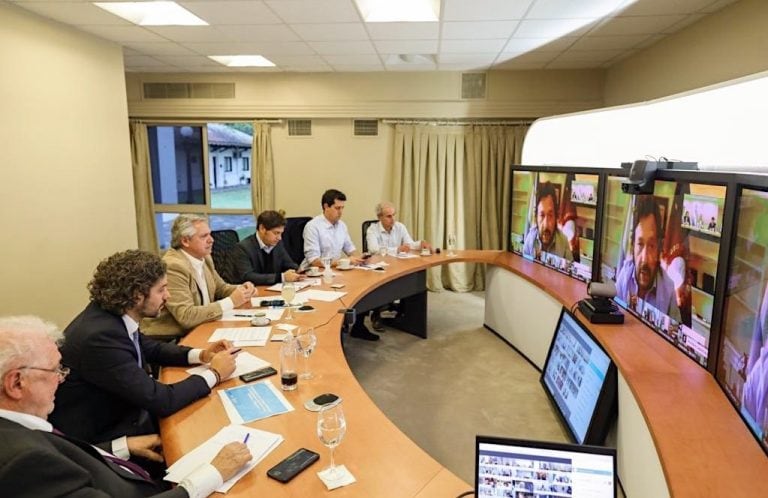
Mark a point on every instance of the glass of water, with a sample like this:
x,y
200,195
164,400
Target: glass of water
x,y
307,341
331,427
288,293
451,240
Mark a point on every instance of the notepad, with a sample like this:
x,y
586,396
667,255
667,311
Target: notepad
x,y
255,401
242,336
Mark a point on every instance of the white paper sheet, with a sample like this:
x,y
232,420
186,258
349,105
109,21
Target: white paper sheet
x,y
244,363
298,285
255,401
242,336
320,295
260,444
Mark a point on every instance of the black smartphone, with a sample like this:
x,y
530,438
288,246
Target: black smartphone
x,y
258,374
293,465
272,302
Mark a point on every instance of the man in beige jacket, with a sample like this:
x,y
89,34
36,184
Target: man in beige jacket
x,y
198,293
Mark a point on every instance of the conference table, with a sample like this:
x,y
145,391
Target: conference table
x,y
702,446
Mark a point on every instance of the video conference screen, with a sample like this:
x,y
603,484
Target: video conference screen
x,y
553,220
579,377
662,251
742,369
532,469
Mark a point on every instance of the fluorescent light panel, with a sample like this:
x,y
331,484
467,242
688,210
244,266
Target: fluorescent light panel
x,y
152,13
242,60
399,10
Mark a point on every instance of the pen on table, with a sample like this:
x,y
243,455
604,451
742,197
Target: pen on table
x,y
235,351
243,316
247,435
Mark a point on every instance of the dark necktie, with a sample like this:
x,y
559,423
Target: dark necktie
x,y
135,339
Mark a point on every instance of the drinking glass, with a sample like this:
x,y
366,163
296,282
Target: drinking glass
x,y
288,292
382,247
289,378
451,244
307,342
331,427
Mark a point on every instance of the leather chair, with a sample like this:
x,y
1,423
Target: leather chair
x,y
366,224
224,242
293,237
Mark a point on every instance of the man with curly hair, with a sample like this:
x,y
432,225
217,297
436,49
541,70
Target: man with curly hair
x,y
109,392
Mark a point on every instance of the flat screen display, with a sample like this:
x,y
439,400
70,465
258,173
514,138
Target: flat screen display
x,y
580,379
553,219
534,469
742,368
662,251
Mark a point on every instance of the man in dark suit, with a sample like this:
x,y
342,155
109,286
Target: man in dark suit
x,y
110,393
262,258
38,461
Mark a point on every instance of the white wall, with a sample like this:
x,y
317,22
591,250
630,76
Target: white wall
x,y
66,193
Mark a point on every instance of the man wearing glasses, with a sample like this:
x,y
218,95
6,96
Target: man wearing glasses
x,y
261,258
109,392
38,460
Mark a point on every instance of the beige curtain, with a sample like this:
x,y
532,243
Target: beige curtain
x,y
262,169
142,188
456,179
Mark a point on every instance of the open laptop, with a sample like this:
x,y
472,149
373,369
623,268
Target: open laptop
x,y
518,468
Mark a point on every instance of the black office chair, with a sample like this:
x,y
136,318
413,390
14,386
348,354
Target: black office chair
x,y
293,237
366,224
224,242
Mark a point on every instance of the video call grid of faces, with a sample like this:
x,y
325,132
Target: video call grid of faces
x,y
520,476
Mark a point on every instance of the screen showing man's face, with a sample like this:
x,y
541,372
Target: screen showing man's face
x,y
646,252
545,220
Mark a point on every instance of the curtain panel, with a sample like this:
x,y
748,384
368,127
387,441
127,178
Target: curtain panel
x,y
142,188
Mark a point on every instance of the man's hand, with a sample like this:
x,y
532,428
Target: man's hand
x,y
223,363
207,355
404,248
149,447
426,245
242,294
292,276
230,459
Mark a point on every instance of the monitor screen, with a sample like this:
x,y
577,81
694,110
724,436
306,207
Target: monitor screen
x,y
553,219
662,252
580,379
534,469
742,368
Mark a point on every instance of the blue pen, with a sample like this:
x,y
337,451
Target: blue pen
x,y
245,441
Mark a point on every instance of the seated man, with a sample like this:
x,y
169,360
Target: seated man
x,y
261,258
545,235
37,460
109,393
326,237
392,235
198,293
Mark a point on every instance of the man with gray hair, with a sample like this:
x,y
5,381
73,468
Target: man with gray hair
x,y
37,460
390,233
198,293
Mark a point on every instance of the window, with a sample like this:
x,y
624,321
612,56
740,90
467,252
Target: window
x,y
187,180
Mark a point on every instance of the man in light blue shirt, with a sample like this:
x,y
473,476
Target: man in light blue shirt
x,y
390,233
326,236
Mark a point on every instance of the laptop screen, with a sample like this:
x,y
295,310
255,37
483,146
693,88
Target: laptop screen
x,y
519,468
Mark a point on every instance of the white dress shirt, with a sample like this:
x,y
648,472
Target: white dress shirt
x,y
377,236
323,238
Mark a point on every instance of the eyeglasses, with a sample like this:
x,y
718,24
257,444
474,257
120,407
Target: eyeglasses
x,y
59,370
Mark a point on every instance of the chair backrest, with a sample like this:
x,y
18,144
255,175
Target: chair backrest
x,y
293,237
366,224
224,242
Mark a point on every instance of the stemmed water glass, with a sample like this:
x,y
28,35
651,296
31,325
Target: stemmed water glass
x,y
331,427
451,244
307,342
288,292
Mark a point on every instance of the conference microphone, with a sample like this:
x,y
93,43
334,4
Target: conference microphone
x,y
602,289
349,316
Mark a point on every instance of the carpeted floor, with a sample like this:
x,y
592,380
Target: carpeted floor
x,y
461,381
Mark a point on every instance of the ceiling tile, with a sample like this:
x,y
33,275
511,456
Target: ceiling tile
x,y
159,48
297,60
153,69
551,28
357,68
717,5
342,48
661,7
411,67
636,25
687,21
479,59
462,66
142,60
123,34
569,9
532,57
232,12
183,34
349,60
75,13
608,42
310,11
254,48
484,10
406,47
471,46
403,30
518,45
263,32
188,60
596,56
478,30
331,31
307,68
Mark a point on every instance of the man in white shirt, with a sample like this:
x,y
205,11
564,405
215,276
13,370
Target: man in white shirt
x,y
36,460
390,233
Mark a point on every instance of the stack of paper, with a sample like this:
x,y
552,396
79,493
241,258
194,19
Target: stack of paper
x,y
244,363
242,336
260,444
255,401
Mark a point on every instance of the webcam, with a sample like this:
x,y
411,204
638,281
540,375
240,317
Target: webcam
x,y
640,178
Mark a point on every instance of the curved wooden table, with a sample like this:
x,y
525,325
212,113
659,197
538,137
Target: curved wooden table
x,y
703,446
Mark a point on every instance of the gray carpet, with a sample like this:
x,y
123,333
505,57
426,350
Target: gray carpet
x,y
462,381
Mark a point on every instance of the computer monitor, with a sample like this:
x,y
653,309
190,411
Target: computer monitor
x,y
534,469
580,380
662,251
553,219
742,368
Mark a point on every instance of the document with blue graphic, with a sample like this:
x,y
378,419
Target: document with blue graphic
x,y
255,401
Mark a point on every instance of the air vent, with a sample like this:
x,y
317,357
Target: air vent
x,y
472,85
189,90
366,127
299,127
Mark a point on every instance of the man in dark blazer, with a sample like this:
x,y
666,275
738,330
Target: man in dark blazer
x,y
37,461
109,392
262,258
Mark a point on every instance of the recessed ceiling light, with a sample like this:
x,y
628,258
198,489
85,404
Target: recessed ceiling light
x,y
242,60
152,13
399,10
409,59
